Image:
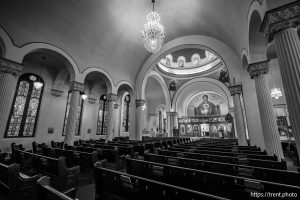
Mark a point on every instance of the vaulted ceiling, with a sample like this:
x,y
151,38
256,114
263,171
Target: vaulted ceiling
x,y
107,33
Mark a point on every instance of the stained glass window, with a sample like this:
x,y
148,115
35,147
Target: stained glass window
x,y
102,116
78,118
125,122
25,108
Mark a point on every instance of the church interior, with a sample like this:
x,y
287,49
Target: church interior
x,y
153,100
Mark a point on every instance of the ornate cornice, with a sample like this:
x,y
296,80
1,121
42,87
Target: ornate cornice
x,y
112,97
76,86
235,89
140,102
278,19
259,68
7,66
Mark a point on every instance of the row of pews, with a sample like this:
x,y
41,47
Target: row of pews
x,y
54,169
204,169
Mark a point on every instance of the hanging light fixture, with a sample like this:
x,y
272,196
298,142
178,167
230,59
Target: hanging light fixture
x,y
275,92
153,33
38,83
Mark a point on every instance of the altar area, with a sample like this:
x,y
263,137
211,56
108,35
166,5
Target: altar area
x,y
213,126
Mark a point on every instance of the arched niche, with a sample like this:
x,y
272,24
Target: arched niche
x,y
230,59
196,86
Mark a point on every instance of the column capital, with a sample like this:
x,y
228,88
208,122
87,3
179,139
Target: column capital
x,y
171,112
140,102
278,19
7,66
112,97
235,89
76,86
259,68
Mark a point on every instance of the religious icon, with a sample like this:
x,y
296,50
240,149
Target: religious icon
x,y
205,108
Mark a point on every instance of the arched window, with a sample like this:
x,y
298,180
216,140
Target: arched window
x,y
25,108
79,114
102,116
125,122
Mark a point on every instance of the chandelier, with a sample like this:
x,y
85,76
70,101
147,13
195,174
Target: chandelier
x,y
153,33
276,93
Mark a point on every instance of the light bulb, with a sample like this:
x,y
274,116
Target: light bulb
x,y
84,96
38,84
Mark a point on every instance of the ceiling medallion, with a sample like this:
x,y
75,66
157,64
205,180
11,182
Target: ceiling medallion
x,y
153,33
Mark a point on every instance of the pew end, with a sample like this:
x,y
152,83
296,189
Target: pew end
x,y
45,191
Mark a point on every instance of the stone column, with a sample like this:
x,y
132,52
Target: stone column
x,y
266,111
112,109
236,91
75,88
139,118
170,124
9,73
281,25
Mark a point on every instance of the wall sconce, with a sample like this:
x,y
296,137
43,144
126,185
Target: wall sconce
x,y
84,96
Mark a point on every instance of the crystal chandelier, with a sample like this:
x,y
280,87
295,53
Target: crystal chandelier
x,y
276,93
153,33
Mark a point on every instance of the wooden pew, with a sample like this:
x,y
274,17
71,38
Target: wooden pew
x,y
63,178
85,160
227,159
45,191
204,181
37,148
222,150
221,153
272,175
59,145
16,186
116,185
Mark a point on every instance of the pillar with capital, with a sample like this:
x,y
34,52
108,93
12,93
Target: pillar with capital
x,y
140,103
266,111
280,25
112,109
172,121
236,91
75,89
9,73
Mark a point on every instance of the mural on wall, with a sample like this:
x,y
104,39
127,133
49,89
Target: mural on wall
x,y
206,104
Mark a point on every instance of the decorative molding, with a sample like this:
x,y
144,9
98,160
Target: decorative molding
x,y
140,102
112,97
259,68
235,89
7,66
56,93
92,100
278,19
76,86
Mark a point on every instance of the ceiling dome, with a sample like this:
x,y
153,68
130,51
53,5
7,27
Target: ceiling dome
x,y
190,62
